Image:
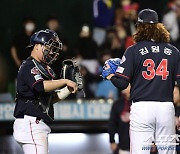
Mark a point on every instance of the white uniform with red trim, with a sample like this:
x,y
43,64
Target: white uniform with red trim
x,y
32,135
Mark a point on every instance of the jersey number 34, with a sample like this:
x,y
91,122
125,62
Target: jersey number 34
x,y
151,72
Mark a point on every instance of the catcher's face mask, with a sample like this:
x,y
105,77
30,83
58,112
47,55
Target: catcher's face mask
x,y
51,50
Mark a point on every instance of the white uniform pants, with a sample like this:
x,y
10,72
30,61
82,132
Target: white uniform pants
x,y
32,135
124,152
152,121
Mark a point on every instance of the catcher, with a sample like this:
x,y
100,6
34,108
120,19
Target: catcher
x,y
36,88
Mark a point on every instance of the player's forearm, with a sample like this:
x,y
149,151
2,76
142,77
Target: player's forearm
x,y
119,82
53,84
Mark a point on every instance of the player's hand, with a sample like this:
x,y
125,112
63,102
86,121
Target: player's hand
x,y
110,75
153,148
177,122
114,146
125,117
72,86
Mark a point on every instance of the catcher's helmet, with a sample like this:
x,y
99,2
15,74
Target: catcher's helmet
x,y
148,16
51,42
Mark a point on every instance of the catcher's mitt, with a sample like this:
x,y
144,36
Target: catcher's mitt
x,y
71,71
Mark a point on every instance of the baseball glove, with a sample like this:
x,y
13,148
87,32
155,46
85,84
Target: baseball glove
x,y
110,67
71,71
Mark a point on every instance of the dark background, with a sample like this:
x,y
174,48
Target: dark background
x,y
72,14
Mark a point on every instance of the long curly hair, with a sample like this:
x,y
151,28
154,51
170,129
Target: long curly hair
x,y
156,32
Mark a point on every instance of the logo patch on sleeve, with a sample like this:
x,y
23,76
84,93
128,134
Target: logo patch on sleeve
x,y
35,70
120,69
38,77
167,51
